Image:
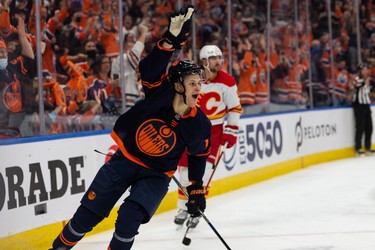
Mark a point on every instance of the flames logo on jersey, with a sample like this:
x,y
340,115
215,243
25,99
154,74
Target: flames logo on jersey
x,y
208,102
155,138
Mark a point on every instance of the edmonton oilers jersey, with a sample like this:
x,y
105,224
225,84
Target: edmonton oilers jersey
x,y
152,134
12,81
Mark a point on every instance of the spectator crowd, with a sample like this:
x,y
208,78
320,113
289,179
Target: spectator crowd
x,y
292,61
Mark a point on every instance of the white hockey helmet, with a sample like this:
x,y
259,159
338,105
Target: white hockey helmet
x,y
208,51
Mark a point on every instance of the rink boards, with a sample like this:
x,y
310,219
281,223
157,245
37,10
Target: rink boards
x,y
43,180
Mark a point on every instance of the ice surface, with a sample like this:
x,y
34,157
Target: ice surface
x,y
329,206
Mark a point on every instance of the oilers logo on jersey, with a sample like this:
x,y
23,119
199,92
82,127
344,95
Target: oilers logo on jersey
x,y
155,138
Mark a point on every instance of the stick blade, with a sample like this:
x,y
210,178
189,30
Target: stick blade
x,y
186,241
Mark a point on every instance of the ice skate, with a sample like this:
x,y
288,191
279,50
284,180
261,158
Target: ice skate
x,y
370,152
193,222
359,153
181,217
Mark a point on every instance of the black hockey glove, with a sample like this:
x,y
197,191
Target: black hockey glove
x,y
196,199
179,28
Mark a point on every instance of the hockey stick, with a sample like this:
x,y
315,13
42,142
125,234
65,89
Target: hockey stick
x,y
188,240
217,160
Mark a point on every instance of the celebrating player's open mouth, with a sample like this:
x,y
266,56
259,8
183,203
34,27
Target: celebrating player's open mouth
x,y
193,88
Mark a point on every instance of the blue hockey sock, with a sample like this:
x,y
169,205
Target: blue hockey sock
x,y
130,217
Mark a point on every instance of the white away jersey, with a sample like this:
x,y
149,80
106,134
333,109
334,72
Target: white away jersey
x,y
219,97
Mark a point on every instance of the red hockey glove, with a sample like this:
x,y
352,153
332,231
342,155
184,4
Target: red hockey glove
x,y
196,199
229,135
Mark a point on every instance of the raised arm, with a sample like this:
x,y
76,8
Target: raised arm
x,y
27,49
174,38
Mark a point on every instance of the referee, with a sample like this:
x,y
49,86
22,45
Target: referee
x,y
362,110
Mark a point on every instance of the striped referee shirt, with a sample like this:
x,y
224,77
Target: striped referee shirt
x,y
361,93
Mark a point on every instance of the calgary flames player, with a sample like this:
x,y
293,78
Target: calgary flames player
x,y
219,101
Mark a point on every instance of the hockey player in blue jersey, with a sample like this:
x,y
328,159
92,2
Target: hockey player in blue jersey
x,y
151,137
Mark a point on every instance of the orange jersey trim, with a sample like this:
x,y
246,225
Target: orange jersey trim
x,y
209,152
155,84
132,157
162,48
192,113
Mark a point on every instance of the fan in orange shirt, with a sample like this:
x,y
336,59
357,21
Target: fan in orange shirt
x,y
108,37
77,82
339,88
247,82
